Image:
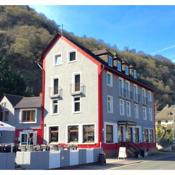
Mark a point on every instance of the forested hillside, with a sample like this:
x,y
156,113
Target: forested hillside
x,y
23,36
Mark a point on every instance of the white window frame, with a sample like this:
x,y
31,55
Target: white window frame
x,y
58,112
80,132
111,79
84,124
150,96
135,92
54,57
128,108
68,55
136,110
48,136
115,132
122,107
52,84
121,87
110,103
27,132
144,113
150,113
73,107
28,109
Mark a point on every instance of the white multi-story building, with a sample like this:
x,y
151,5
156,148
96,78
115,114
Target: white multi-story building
x,y
94,99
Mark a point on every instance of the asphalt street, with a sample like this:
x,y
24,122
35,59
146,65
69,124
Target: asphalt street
x,y
159,161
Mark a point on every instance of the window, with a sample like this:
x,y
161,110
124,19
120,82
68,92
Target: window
x,y
135,74
150,114
4,115
109,77
109,104
122,112
55,86
24,138
146,137
128,109
73,133
136,135
88,133
151,136
72,56
136,111
127,89
121,87
77,82
76,107
110,61
149,96
126,70
143,96
28,116
55,107
119,66
144,113
58,59
53,134
135,93
109,133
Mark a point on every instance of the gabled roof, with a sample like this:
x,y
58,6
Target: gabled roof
x,y
14,99
29,102
67,36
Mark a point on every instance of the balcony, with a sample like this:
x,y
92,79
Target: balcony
x,y
55,93
78,89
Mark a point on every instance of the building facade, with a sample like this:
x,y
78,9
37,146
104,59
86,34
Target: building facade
x,y
94,99
24,113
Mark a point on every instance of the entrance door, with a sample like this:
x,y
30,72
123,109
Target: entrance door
x,y
28,137
121,133
130,134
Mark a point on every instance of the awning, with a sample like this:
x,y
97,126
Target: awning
x,y
6,127
130,123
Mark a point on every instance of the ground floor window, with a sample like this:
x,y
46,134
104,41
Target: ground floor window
x,y
88,133
28,137
146,137
53,134
73,133
151,136
109,133
136,135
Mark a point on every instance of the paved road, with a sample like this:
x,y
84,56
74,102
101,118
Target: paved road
x,y
160,161
164,163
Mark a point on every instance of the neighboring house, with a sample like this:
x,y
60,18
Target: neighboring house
x,y
24,113
94,99
166,116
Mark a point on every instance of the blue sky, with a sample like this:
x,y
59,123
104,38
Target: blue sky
x,y
145,28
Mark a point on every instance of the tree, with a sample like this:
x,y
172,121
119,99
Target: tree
x,y
10,81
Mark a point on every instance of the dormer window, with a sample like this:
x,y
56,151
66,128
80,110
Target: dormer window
x,y
110,61
126,70
119,66
135,74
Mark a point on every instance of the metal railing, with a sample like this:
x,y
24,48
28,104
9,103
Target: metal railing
x,y
55,93
77,89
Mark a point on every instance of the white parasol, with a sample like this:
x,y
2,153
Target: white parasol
x,y
6,127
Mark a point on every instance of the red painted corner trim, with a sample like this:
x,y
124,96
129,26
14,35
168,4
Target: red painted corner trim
x,y
43,101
